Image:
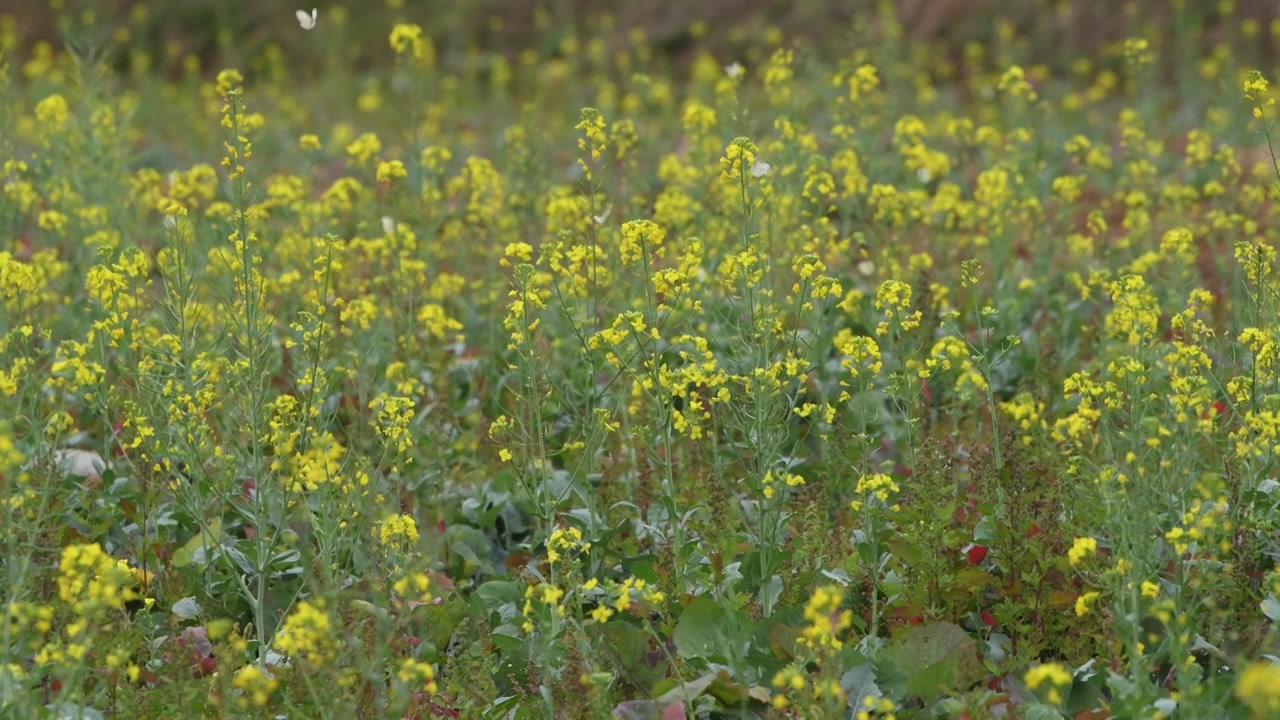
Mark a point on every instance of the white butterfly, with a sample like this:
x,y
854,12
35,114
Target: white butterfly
x,y
760,168
306,21
388,224
602,217
733,70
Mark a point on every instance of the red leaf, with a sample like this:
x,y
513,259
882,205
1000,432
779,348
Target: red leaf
x,y
674,711
1219,409
977,553
988,618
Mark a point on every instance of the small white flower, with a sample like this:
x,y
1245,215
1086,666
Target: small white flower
x,y
733,70
867,268
602,217
388,225
306,21
760,168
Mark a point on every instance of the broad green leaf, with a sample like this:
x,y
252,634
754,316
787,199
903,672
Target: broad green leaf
x,y
859,684
769,594
1271,608
208,539
628,648
1040,711
690,690
704,627
936,658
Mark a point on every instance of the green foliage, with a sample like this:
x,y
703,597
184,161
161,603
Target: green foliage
x,y
381,377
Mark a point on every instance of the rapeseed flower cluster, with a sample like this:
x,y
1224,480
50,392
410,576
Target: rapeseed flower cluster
x,y
1053,677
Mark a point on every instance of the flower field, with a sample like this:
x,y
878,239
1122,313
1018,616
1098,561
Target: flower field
x,y
894,380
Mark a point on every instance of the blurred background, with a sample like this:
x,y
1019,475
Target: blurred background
x,y
1057,29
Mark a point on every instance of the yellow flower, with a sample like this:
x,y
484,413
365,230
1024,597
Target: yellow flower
x,y
256,685
1085,602
1080,549
877,485
228,80
307,633
1014,82
1258,685
407,38
882,707
398,528
413,585
363,148
826,620
92,582
640,239
389,170
739,157
1057,677
1254,85
413,672
52,112
789,678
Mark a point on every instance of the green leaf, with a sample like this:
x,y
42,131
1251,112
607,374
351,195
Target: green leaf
x,y
972,578
497,593
507,639
642,568
692,689
371,609
1271,608
72,711
628,647
859,684
437,622
985,531
937,657
187,553
503,707
1040,711
470,548
769,594
638,710
782,640
703,628
729,692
